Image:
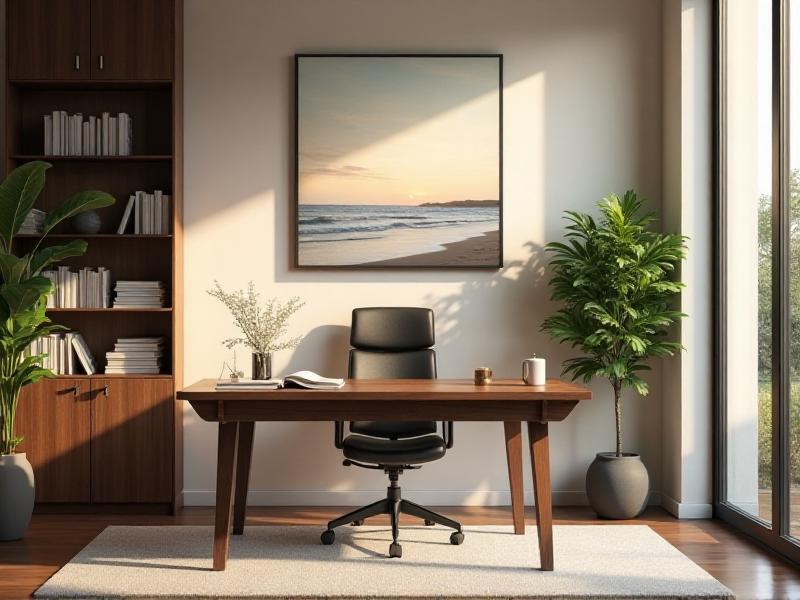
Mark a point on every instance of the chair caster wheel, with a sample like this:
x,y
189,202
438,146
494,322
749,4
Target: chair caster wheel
x,y
429,523
327,537
357,523
395,550
456,538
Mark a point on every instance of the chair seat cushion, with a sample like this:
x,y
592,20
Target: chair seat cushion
x,y
393,452
393,429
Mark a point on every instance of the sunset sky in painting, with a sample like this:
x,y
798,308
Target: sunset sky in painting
x,y
398,130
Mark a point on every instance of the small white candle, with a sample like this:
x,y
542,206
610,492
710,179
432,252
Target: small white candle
x,y
539,374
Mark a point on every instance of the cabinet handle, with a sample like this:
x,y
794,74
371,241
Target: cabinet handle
x,y
105,390
101,62
74,389
77,62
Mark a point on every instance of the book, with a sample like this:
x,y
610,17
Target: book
x,y
126,216
300,379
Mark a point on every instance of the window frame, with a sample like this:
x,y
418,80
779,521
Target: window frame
x,y
775,535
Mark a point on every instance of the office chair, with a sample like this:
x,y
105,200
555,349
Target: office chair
x,y
392,343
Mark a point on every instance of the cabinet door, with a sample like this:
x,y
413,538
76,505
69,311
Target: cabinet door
x,y
132,39
53,417
132,440
48,39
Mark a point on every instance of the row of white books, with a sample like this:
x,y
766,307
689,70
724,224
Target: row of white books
x,y
135,355
72,135
64,353
146,214
33,222
139,294
87,288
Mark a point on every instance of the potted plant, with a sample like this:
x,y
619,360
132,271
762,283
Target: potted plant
x,y
263,328
613,280
23,298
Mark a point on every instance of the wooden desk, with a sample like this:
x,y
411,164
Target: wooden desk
x,y
509,401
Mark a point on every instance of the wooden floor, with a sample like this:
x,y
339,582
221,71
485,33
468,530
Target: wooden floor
x,y
738,563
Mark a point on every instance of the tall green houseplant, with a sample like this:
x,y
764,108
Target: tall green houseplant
x,y
613,279
23,290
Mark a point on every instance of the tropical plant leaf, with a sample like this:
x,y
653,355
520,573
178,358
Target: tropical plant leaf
x,y
76,204
12,268
18,194
25,295
53,254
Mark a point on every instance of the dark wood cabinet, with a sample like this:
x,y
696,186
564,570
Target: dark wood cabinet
x,y
49,39
54,419
99,440
132,39
104,438
131,440
97,39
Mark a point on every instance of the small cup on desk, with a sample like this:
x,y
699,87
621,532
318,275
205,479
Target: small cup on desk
x,y
483,376
533,371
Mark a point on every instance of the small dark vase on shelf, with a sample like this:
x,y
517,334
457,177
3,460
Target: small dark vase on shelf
x,y
262,365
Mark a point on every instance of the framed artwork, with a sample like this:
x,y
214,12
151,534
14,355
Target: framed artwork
x,y
399,161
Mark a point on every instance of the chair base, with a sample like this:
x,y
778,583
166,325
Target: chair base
x,y
393,505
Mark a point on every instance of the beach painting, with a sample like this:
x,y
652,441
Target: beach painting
x,y
399,161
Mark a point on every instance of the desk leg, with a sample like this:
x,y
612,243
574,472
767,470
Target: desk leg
x,y
540,461
244,455
226,461
513,431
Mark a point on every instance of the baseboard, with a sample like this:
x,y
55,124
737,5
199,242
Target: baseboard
x,y
686,510
361,497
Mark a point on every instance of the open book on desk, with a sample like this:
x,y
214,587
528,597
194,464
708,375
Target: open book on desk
x,y
300,379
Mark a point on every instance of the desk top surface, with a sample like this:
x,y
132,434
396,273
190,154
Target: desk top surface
x,y
398,389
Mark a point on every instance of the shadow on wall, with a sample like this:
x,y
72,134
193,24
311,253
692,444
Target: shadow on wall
x,y
512,293
324,350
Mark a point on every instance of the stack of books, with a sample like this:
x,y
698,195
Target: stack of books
x,y
135,355
63,353
87,288
34,221
148,214
72,135
139,294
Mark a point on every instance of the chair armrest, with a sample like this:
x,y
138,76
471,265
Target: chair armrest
x,y
447,434
338,434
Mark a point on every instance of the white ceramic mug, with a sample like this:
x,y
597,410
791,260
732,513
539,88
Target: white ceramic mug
x,y
533,371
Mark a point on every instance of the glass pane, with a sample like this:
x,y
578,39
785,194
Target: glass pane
x,y
794,259
748,191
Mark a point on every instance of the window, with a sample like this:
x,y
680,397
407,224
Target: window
x,y
758,269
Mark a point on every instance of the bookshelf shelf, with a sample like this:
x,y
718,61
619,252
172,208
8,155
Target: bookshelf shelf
x,y
96,236
110,310
117,376
130,158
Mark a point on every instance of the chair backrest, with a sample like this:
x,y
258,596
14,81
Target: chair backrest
x,y
392,343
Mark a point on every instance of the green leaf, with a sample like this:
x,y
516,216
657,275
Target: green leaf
x,y
80,202
18,194
12,268
24,296
53,254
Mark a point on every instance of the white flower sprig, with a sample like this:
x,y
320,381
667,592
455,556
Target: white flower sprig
x,y
263,328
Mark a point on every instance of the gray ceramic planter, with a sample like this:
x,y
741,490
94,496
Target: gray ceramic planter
x,y
16,496
617,486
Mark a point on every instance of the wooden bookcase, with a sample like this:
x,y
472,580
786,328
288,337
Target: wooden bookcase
x,y
105,439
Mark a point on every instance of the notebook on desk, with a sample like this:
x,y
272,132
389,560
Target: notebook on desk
x,y
300,379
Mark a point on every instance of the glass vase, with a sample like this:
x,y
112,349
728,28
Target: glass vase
x,y
262,365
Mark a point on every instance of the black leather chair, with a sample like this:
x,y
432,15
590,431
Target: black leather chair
x,y
393,343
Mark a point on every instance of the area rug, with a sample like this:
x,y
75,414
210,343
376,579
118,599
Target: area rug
x,y
591,561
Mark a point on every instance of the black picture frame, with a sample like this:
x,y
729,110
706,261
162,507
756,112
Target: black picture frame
x,y
296,159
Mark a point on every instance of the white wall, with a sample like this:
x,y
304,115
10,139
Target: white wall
x,y
687,377
582,119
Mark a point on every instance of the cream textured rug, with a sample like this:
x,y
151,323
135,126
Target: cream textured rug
x,y
591,561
